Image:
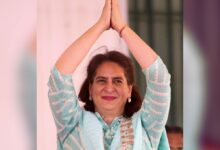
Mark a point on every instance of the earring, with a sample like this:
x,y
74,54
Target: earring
x,y
90,98
129,100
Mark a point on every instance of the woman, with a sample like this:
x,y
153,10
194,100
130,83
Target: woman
x,y
112,118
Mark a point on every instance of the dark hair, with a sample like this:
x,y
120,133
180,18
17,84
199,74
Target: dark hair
x,y
174,129
127,65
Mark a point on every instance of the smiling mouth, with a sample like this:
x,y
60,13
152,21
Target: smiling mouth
x,y
109,98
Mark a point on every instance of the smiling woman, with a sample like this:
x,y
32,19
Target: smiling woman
x,y
115,117
110,76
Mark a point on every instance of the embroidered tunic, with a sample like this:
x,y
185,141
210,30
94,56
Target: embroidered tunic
x,y
75,130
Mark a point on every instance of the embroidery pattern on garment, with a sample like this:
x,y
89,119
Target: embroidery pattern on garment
x,y
127,134
109,130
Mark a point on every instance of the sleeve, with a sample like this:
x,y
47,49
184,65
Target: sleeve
x,y
63,102
156,103
164,143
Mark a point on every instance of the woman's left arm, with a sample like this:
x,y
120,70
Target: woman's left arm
x,y
143,53
156,103
155,107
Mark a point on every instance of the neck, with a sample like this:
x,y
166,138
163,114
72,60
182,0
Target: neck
x,y
108,120
108,117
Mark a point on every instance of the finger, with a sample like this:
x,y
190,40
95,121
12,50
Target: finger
x,y
115,2
108,2
108,5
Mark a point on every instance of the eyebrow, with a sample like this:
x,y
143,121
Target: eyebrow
x,y
105,78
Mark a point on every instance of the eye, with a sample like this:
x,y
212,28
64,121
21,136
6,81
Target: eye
x,y
100,81
118,82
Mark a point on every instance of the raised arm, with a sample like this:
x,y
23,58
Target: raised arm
x,y
155,106
62,97
74,54
140,50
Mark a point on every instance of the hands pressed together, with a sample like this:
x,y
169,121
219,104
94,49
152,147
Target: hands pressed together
x,y
111,16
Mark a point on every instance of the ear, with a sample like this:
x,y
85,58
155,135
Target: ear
x,y
90,88
130,89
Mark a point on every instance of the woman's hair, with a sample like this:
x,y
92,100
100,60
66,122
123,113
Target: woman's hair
x,y
127,65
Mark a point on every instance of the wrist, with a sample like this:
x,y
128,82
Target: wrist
x,y
122,30
101,26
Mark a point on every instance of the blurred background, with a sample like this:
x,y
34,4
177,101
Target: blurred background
x,y
18,74
201,50
160,24
184,33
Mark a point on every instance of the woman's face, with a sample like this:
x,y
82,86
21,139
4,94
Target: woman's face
x,y
109,90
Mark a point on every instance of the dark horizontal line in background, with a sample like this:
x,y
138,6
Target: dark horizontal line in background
x,y
156,19
156,13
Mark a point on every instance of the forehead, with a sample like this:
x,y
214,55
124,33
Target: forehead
x,y
110,69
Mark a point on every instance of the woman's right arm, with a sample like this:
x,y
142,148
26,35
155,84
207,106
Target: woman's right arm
x,y
63,99
74,54
63,102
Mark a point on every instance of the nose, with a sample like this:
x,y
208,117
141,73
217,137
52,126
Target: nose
x,y
109,87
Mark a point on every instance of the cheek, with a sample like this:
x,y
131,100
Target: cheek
x,y
123,91
95,90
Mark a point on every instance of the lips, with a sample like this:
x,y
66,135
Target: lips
x,y
109,98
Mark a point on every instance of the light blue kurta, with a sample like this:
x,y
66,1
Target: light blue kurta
x,y
79,129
